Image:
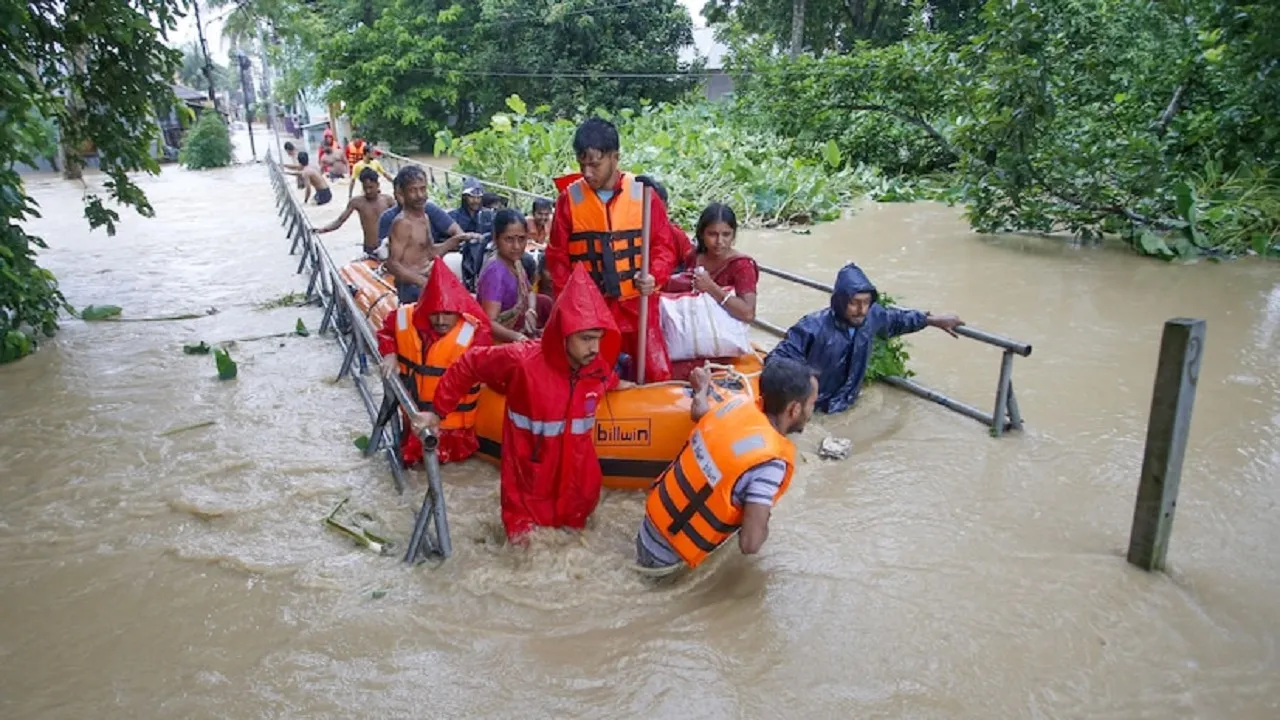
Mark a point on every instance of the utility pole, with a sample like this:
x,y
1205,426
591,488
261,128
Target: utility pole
x,y
208,62
267,91
246,85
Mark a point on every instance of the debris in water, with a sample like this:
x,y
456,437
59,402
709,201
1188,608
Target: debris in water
x,y
100,312
361,536
290,299
833,448
300,329
378,594
226,366
201,349
362,443
184,428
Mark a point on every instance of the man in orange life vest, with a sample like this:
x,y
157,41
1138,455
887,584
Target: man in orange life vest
x,y
355,150
597,224
736,465
421,341
550,471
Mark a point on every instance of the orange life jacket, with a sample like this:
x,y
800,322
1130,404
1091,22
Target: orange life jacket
x,y
691,503
607,238
423,369
355,152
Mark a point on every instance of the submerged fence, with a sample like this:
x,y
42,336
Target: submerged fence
x,y
1005,414
349,326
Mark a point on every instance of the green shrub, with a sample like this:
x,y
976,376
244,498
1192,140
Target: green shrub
x,y
208,145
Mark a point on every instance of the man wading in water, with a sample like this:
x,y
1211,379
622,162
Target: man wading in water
x,y
369,206
314,178
411,246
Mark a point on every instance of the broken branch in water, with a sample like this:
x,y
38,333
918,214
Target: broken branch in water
x,y
359,535
184,428
111,313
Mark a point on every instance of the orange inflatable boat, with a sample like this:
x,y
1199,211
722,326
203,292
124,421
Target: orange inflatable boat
x,y
638,432
374,290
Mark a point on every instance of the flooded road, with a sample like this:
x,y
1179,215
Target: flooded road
x,y
936,573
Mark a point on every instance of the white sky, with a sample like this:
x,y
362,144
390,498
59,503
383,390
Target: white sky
x,y
704,40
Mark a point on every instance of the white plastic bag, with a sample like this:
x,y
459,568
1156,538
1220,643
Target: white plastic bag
x,y
696,326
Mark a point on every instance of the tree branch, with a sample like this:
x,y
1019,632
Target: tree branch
x,y
1170,110
907,118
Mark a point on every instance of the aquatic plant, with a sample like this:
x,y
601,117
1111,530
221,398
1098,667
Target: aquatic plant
x,y
208,145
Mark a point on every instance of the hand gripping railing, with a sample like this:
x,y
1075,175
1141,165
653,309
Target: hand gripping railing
x,y
1005,415
356,338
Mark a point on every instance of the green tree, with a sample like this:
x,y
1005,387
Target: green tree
x,y
191,71
839,25
208,145
98,68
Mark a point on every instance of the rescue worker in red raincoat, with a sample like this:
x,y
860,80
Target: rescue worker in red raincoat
x,y
597,224
420,341
550,472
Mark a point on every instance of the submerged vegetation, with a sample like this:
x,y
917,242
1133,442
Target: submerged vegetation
x,y
208,145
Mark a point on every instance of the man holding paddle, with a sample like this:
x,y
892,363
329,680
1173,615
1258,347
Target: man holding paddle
x,y
599,224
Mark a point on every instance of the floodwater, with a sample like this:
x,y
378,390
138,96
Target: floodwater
x,y
936,573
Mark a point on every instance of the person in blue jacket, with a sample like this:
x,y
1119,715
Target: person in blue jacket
x,y
836,342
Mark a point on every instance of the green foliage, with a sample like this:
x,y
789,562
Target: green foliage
x,y
93,313
889,358
703,153
98,70
300,329
1153,122
191,71
208,145
838,25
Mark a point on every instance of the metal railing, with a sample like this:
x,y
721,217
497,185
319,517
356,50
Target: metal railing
x,y
444,177
349,326
1006,404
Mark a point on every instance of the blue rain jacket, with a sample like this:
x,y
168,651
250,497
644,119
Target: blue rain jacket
x,y
838,351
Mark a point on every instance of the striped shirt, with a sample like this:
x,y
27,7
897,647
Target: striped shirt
x,y
757,486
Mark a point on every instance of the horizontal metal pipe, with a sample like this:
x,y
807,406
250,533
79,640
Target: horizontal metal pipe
x,y
446,171
919,390
972,333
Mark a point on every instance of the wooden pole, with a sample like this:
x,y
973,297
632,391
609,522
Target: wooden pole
x,y
1181,349
645,231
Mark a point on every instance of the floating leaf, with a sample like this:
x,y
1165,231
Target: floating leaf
x,y
362,443
289,299
201,349
100,312
226,366
378,594
1152,244
300,329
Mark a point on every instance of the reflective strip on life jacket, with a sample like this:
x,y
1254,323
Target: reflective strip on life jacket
x,y
550,428
691,504
423,367
608,238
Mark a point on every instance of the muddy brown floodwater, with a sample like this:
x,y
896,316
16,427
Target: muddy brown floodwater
x,y
936,573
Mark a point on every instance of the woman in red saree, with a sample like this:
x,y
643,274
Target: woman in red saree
x,y
716,268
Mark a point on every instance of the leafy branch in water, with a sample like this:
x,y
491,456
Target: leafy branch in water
x,y
888,357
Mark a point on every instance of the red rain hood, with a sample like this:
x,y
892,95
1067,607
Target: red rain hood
x,y
444,293
580,307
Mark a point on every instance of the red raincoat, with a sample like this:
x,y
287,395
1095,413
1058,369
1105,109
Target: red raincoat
x,y
550,472
444,293
626,313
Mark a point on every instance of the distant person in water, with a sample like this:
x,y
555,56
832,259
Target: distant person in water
x,y
370,206
836,342
292,153
411,245
314,179
368,160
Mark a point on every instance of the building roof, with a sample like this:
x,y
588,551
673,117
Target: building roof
x,y
186,94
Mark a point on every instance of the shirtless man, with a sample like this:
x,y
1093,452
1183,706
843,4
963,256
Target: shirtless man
x,y
370,207
315,179
411,243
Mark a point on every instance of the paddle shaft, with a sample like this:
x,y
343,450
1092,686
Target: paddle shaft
x,y
646,227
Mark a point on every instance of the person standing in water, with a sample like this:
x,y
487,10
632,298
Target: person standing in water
x,y
314,179
369,206
368,160
837,341
411,246
597,224
505,290
736,466
550,471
